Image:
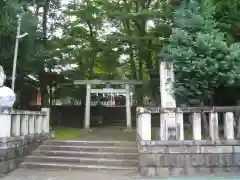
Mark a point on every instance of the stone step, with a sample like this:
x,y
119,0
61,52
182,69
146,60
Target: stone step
x,y
87,154
90,143
89,148
82,160
72,166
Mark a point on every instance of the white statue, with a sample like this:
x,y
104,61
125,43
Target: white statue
x,y
7,96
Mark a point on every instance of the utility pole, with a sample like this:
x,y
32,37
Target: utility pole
x,y
18,37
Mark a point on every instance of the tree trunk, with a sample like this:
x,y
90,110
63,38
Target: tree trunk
x,y
43,86
205,122
94,54
133,65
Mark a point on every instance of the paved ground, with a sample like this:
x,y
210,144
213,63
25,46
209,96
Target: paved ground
x,y
25,174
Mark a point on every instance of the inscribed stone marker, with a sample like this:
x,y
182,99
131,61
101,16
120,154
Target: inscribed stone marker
x,y
167,99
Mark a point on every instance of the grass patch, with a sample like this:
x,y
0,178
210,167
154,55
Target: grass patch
x,y
67,133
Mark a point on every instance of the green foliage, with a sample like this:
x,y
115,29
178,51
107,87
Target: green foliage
x,y
100,36
202,59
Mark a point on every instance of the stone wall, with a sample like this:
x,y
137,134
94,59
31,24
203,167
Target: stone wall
x,y
13,150
188,158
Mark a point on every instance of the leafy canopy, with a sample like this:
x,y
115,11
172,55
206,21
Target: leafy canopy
x,y
202,59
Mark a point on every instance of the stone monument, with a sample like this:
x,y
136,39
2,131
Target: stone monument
x,y
7,96
169,126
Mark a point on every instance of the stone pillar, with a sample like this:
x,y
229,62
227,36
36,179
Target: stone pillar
x,y
16,126
24,123
5,124
31,124
87,107
46,120
229,125
38,124
167,98
144,123
179,119
138,122
213,126
196,123
128,107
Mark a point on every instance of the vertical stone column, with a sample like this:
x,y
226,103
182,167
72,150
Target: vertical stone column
x,y
128,107
5,124
213,126
144,123
167,98
46,120
16,126
31,123
138,122
87,107
179,120
24,123
197,129
38,124
229,125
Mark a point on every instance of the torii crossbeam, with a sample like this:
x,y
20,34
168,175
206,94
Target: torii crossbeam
x,y
126,90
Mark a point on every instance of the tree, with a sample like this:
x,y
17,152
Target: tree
x,y
228,16
202,58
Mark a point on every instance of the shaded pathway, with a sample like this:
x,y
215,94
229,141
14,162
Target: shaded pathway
x,y
110,134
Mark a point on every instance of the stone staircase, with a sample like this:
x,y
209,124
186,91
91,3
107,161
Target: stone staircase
x,y
87,155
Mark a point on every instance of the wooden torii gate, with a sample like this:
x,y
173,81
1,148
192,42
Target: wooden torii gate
x,y
125,91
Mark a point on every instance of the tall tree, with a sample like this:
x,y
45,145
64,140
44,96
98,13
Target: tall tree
x,y
202,58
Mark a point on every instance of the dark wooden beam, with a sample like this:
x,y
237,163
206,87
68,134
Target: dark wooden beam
x,y
199,109
85,82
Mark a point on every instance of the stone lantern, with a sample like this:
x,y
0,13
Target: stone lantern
x,y
7,96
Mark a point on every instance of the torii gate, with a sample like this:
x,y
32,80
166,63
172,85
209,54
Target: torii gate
x,y
125,91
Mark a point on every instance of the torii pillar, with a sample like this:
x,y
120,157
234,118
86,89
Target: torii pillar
x,y
128,107
87,107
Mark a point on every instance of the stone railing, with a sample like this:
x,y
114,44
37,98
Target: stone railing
x,y
179,157
20,133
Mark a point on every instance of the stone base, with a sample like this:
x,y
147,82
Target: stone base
x,y
164,172
188,158
13,150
